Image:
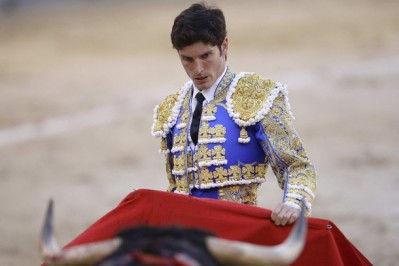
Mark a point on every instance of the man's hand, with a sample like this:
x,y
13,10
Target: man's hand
x,y
285,214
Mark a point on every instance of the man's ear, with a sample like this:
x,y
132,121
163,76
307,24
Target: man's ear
x,y
225,46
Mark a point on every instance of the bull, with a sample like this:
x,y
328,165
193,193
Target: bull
x,y
172,246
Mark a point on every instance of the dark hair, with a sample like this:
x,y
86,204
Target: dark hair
x,y
199,23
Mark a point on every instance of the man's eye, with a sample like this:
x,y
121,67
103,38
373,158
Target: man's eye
x,y
205,56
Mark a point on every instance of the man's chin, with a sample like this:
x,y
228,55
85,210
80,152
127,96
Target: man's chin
x,y
201,86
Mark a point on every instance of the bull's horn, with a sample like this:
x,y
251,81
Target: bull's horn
x,y
238,253
77,255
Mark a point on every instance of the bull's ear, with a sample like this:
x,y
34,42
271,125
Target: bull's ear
x,y
79,255
239,253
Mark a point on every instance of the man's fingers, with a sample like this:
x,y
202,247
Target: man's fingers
x,y
276,211
284,214
294,217
278,214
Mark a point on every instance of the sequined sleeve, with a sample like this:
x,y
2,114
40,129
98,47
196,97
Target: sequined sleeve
x,y
284,150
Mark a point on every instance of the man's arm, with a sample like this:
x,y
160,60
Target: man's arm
x,y
288,159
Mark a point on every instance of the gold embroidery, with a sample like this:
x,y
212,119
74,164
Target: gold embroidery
x,y
250,96
178,164
215,134
243,133
218,153
281,143
205,131
248,171
218,131
223,85
179,140
260,170
164,145
204,154
303,154
245,194
171,178
296,143
165,111
190,160
195,159
185,116
181,185
220,175
234,173
215,156
206,176
209,110
276,111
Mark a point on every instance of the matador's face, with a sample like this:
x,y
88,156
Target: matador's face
x,y
204,63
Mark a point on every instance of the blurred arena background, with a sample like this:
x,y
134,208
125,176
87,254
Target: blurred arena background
x,y
79,80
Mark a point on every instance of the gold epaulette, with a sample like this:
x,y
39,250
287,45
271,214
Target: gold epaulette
x,y
166,113
162,115
249,99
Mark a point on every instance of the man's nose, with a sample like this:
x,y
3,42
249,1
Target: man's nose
x,y
198,67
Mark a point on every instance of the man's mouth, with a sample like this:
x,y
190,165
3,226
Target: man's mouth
x,y
201,78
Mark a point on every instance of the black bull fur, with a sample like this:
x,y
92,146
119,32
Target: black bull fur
x,y
161,246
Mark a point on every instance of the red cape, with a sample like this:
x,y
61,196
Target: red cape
x,y
325,244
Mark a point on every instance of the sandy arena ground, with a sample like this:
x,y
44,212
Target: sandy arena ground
x,y
78,86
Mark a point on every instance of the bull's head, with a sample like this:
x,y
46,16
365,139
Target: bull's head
x,y
225,252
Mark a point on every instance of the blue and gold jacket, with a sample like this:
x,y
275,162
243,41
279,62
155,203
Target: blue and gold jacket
x,y
247,127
